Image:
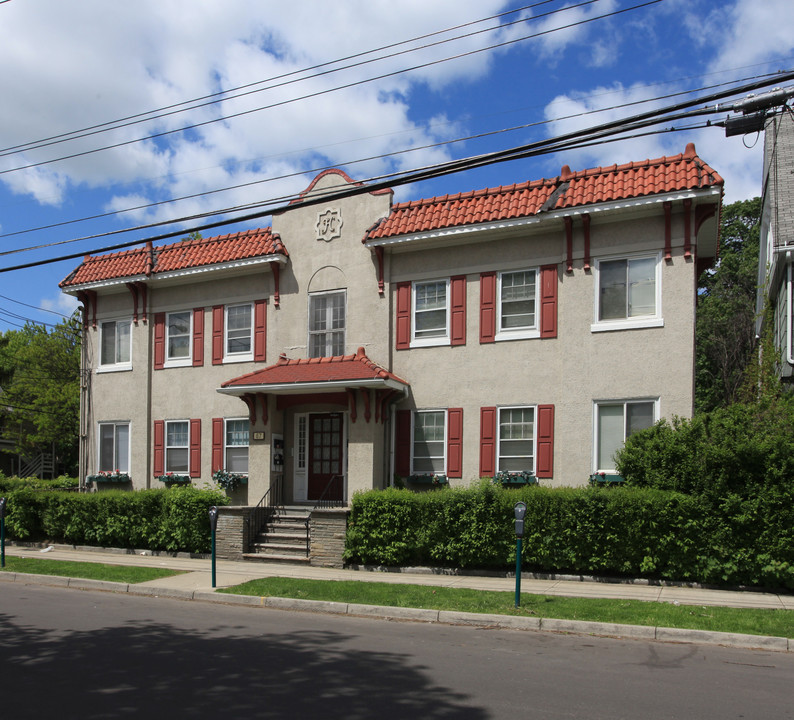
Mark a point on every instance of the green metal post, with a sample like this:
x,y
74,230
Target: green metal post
x,y
518,572
213,556
2,532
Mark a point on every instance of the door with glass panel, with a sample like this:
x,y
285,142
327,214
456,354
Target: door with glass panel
x,y
326,456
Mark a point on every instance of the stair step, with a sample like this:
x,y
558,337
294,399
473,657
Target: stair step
x,y
273,557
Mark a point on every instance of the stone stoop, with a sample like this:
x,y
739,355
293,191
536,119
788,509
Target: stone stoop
x,y
283,539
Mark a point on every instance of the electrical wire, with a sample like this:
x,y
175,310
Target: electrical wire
x,y
315,170
326,91
567,141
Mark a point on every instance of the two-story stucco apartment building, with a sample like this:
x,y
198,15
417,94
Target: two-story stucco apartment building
x,y
521,328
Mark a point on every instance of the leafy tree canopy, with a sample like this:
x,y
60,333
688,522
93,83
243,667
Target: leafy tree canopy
x,y
725,331
40,390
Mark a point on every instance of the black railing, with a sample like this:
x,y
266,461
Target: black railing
x,y
325,502
268,506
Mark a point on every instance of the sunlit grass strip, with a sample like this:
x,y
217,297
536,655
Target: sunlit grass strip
x,y
776,623
86,570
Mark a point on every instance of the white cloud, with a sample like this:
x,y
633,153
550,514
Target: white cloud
x,y
63,304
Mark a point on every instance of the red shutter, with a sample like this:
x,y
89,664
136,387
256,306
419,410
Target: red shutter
x,y
217,444
198,337
457,310
487,307
455,442
548,301
217,334
544,464
159,447
487,441
402,443
159,341
195,448
403,322
260,330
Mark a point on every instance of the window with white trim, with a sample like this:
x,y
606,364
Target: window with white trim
x,y
516,450
628,292
327,324
517,309
114,447
430,321
177,446
239,329
236,445
614,422
429,442
179,329
116,344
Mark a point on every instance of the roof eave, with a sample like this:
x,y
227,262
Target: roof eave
x,y
303,388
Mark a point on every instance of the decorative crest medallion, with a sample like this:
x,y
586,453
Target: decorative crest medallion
x,y
329,224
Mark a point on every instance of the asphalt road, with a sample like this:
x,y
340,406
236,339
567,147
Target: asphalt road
x,y
79,654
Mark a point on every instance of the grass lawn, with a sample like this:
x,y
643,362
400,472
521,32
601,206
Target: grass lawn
x,y
778,623
87,570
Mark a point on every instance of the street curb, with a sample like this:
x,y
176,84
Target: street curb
x,y
444,617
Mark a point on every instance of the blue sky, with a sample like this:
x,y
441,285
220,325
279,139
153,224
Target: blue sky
x,y
79,64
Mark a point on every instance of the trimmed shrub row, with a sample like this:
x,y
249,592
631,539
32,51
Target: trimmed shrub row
x,y
176,519
622,532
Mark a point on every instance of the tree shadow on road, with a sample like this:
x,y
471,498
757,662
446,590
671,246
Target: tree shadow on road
x,y
153,669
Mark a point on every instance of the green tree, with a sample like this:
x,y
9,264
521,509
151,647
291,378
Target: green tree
x,y
725,330
40,375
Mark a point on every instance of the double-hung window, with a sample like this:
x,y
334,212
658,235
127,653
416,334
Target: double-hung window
x,y
236,446
517,309
428,451
614,422
116,345
114,447
179,327
239,332
628,293
430,313
327,324
516,439
177,446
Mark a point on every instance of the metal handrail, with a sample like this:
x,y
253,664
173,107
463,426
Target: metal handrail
x,y
321,502
264,509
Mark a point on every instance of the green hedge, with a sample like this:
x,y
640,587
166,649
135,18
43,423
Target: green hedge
x,y
176,519
9,484
624,532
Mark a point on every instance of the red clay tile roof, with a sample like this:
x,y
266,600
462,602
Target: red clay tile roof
x,y
618,182
339,368
178,256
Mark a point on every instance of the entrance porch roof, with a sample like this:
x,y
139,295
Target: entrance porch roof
x,y
315,375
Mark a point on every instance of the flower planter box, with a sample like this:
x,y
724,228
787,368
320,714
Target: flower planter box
x,y
174,479
514,479
428,480
228,480
109,478
605,479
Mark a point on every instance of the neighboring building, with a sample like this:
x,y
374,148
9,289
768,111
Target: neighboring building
x,y
521,328
777,237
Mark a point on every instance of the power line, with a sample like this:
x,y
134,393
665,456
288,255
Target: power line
x,y
143,116
326,91
567,141
315,170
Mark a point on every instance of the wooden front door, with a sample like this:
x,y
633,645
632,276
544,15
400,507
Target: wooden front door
x,y
326,456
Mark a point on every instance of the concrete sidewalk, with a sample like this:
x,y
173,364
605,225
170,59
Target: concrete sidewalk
x,y
196,583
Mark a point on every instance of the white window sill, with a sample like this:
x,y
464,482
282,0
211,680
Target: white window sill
x,y
182,362
631,324
121,367
430,342
243,357
517,335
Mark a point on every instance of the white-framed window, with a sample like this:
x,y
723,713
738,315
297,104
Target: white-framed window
x,y
429,442
516,449
239,332
114,447
115,341
177,446
614,421
178,337
430,317
235,442
327,324
628,293
517,304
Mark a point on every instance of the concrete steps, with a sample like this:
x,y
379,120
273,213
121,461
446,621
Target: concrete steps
x,y
283,539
